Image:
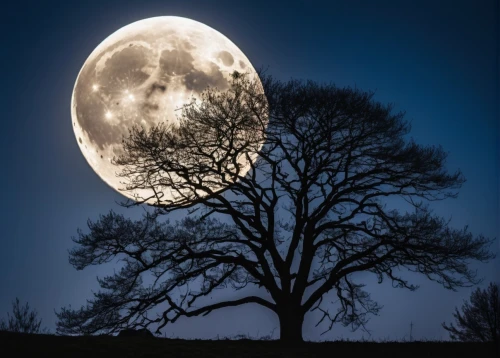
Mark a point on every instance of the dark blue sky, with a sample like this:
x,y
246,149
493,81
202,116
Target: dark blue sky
x,y
437,60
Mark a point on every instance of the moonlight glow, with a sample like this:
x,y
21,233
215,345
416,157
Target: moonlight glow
x,y
143,74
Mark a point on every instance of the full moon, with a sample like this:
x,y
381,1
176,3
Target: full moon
x,y
143,74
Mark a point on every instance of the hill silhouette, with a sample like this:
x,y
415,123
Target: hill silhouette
x,y
111,346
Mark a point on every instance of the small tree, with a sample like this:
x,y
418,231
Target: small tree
x,y
23,320
480,319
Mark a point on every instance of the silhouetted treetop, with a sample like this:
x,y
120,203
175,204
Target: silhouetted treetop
x,y
480,319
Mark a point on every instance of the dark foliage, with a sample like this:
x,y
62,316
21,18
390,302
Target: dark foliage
x,y
313,209
23,320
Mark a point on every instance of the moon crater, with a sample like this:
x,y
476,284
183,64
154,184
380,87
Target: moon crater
x,y
142,74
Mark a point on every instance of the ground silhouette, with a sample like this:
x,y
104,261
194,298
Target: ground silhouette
x,y
109,347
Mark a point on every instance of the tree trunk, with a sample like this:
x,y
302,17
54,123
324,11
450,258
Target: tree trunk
x,y
291,321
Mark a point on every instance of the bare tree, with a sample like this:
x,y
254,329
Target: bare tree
x,y
23,320
480,319
312,211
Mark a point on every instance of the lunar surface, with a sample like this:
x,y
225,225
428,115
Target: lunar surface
x,y
142,75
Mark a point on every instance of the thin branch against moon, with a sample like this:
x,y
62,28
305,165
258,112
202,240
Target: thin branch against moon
x,y
144,75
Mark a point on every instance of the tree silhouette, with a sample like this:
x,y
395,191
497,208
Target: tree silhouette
x,y
312,211
480,319
23,320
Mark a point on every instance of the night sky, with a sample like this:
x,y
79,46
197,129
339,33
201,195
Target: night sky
x,y
436,60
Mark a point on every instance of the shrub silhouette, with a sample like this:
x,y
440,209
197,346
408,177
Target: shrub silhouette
x,y
129,332
23,320
480,319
